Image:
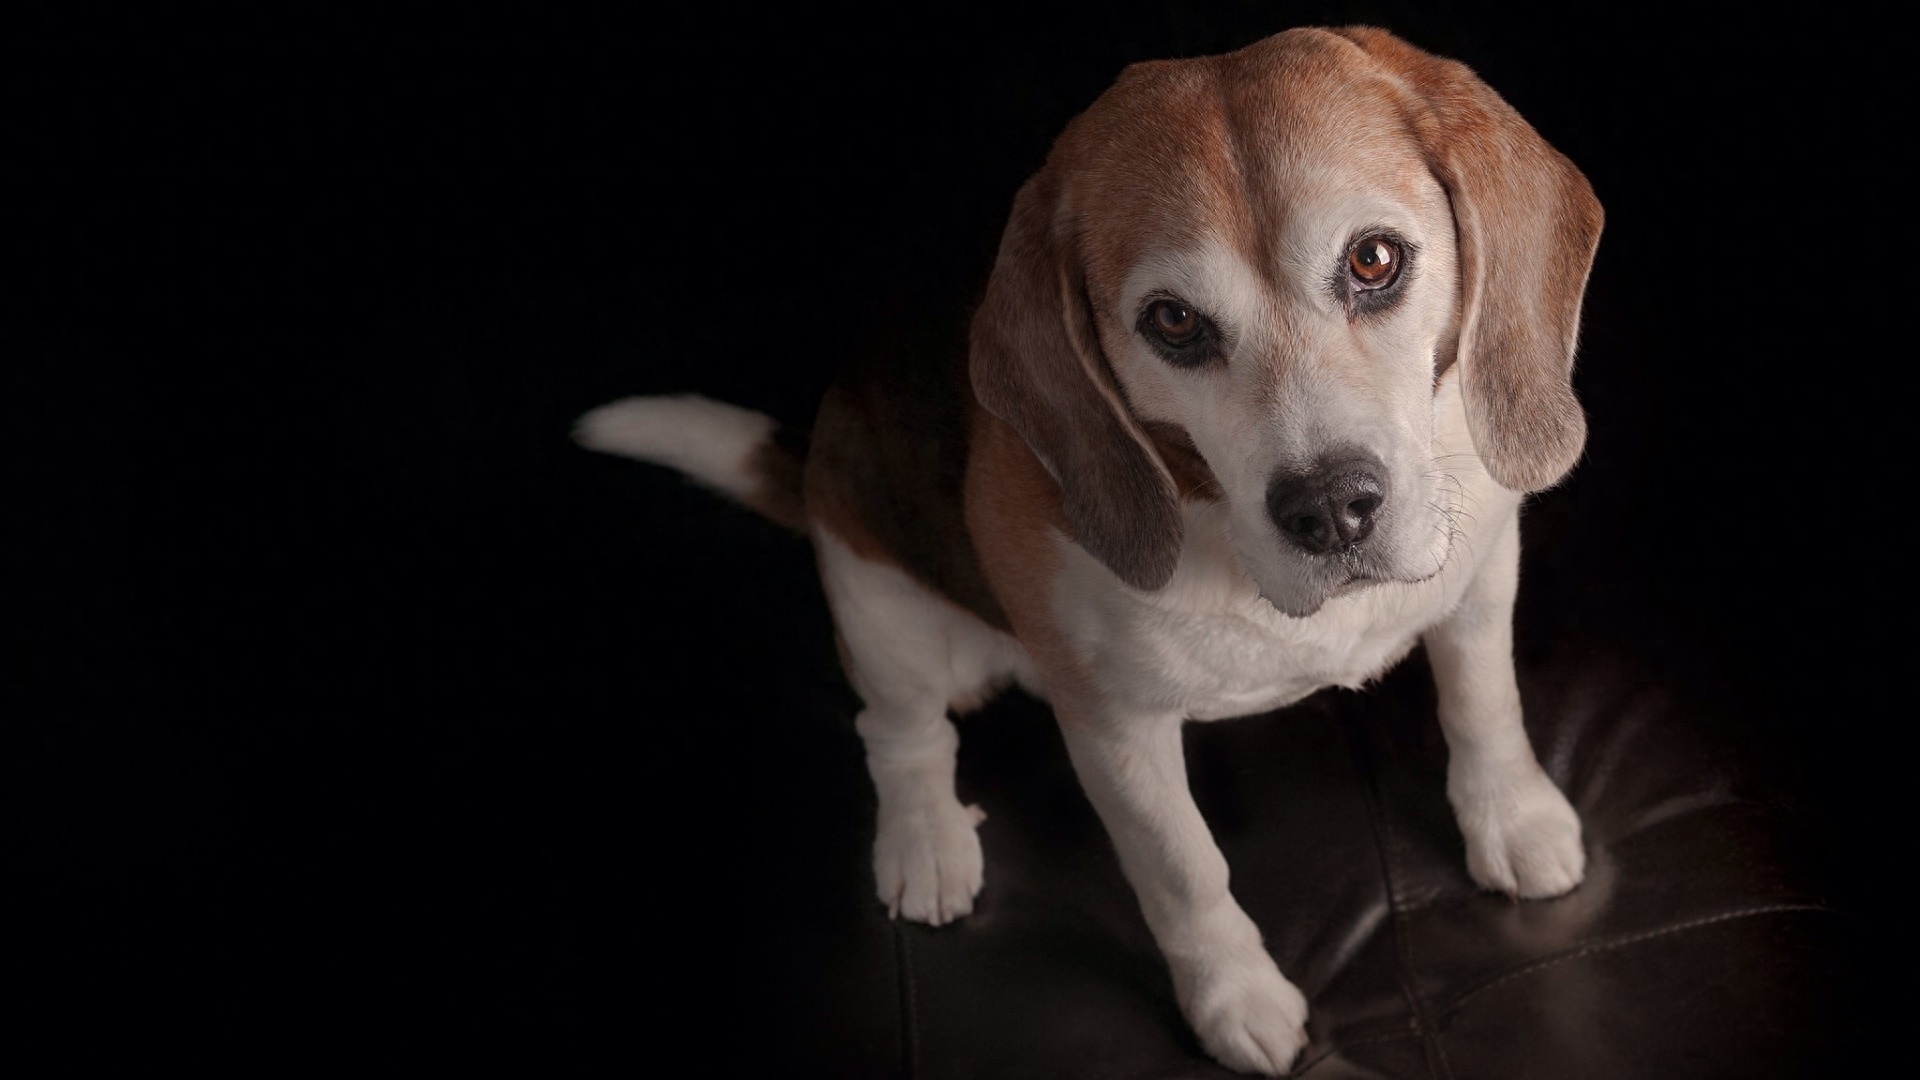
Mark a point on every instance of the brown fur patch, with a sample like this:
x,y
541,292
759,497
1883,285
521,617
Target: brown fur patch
x,y
779,464
1012,500
886,471
1191,474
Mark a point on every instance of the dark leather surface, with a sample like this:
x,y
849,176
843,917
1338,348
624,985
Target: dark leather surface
x,y
1698,945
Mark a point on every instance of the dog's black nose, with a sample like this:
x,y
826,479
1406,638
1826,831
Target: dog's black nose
x,y
1332,506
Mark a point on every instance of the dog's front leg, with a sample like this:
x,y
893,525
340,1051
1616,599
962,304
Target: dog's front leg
x,y
1134,770
1523,838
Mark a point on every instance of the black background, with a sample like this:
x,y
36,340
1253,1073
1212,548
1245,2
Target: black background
x,y
346,698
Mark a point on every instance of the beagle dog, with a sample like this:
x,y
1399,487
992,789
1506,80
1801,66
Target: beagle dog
x,y
1275,344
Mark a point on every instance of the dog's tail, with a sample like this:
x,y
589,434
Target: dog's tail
x,y
745,455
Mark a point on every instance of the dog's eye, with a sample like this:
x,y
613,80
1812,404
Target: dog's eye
x,y
1175,323
1179,332
1374,262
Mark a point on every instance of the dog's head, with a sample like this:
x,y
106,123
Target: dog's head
x,y
1272,258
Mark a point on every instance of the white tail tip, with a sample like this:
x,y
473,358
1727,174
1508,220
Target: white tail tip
x,y
710,441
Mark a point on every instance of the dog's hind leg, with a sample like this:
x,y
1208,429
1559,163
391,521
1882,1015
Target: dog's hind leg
x,y
911,655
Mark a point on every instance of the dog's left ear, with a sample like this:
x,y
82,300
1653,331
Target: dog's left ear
x,y
1528,224
1036,363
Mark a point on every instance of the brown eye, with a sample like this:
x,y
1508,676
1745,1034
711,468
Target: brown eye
x,y
1175,323
1178,332
1374,262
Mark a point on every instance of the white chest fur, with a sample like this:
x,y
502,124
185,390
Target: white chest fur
x,y
1208,646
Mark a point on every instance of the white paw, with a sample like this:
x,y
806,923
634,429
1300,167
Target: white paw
x,y
926,859
1248,1016
1523,837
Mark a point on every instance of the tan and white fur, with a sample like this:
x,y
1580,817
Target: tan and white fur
x,y
1148,528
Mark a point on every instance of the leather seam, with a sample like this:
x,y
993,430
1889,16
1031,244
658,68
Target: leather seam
x,y
1610,944
1420,1022
909,1011
1308,1065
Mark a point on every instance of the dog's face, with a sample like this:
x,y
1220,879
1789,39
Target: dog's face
x,y
1273,256
1285,313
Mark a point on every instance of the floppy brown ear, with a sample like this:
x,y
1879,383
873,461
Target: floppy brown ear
x,y
1036,364
1528,224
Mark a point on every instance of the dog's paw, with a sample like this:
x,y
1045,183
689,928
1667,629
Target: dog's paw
x,y
927,861
1248,1016
1523,837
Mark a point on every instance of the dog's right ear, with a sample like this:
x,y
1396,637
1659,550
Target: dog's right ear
x,y
1036,364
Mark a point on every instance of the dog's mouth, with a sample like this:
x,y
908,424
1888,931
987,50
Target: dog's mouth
x,y
1354,582
1345,582
1346,574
